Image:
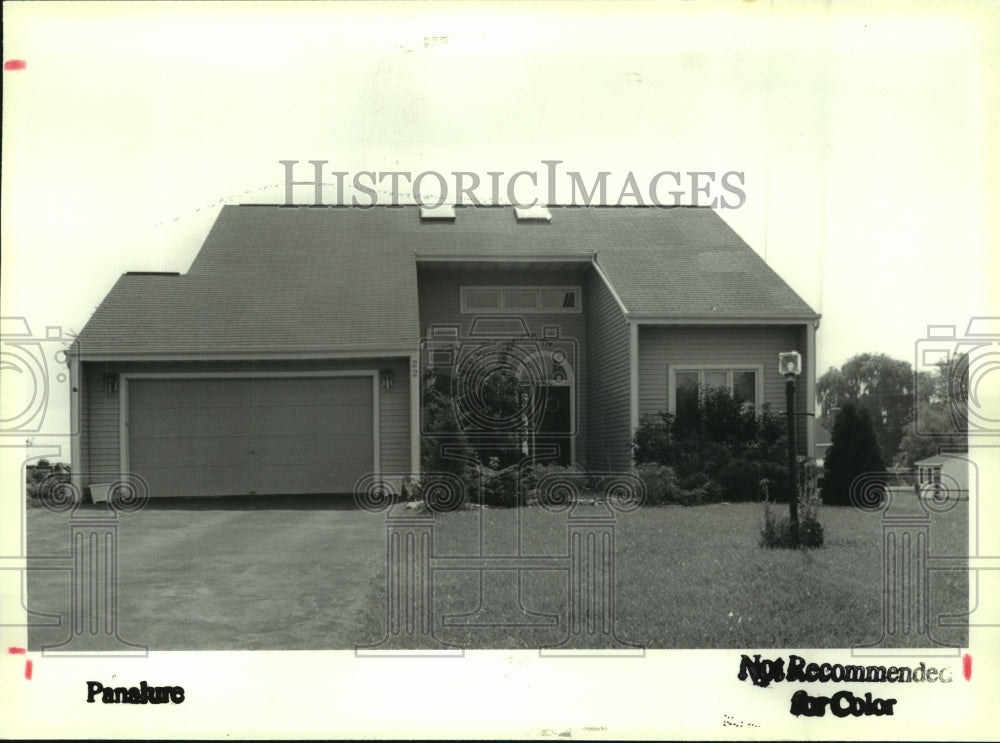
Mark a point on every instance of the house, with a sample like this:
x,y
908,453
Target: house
x,y
288,358
823,442
948,471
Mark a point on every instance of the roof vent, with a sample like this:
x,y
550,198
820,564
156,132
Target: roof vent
x,y
533,213
444,211
152,273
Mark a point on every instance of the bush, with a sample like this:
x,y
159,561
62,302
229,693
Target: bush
x,y
653,440
778,533
441,427
854,451
549,475
714,492
660,482
500,487
43,479
694,480
741,480
722,441
691,497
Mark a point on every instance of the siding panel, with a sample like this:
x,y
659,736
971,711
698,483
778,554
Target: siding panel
x,y
608,391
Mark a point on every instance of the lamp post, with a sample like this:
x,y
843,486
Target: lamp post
x,y
790,365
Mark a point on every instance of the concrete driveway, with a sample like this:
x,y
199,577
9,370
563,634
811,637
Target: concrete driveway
x,y
227,574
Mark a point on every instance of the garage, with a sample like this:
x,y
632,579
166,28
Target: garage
x,y
250,435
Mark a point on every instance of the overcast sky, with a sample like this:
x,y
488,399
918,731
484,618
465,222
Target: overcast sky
x,y
867,141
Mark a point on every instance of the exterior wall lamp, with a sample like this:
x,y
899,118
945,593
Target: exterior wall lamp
x,y
387,376
111,382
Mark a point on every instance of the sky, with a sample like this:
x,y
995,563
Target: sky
x,y
867,139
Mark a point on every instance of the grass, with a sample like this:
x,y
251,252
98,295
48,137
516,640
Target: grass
x,y
211,576
695,578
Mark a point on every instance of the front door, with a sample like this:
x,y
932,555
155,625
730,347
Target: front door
x,y
555,429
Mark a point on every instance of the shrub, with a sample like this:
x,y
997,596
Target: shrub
x,y
694,480
740,479
691,497
771,432
653,439
660,482
411,489
44,478
499,487
854,451
721,440
724,418
441,427
714,492
778,532
547,474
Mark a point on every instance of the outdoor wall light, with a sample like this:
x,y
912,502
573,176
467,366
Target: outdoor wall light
x,y
111,382
790,363
386,379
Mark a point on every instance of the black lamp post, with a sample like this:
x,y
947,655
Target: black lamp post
x,y
790,365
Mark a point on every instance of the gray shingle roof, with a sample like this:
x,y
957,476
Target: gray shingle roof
x,y
301,280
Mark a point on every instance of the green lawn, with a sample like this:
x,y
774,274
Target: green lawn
x,y
695,578
218,577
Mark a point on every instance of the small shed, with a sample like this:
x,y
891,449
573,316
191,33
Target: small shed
x,y
949,471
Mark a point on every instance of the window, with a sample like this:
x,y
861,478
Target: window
x,y
743,383
521,299
478,300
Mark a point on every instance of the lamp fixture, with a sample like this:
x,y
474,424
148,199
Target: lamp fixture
x,y
790,363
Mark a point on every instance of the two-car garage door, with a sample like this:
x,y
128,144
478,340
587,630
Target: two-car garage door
x,y
250,435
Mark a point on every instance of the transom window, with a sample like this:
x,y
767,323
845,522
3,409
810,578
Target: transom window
x,y
743,383
521,299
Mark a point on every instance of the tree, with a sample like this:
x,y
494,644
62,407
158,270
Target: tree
x,y
854,451
941,413
883,386
444,447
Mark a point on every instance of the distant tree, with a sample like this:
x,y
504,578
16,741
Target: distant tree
x,y
940,413
854,450
883,386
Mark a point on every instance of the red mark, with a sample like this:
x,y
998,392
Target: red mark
x,y
13,65
967,666
28,665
